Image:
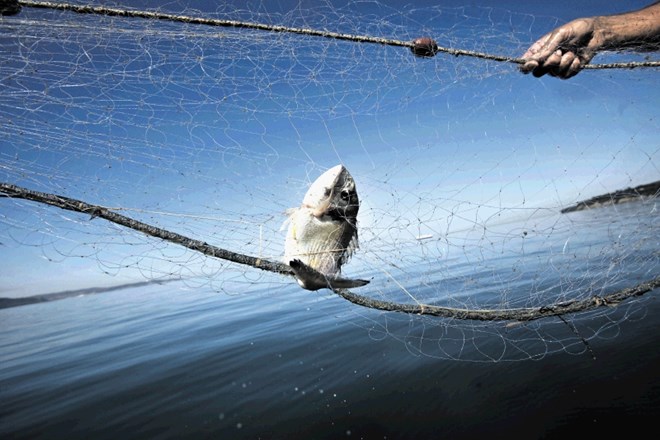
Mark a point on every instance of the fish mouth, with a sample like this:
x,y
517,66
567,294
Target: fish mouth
x,y
336,213
340,213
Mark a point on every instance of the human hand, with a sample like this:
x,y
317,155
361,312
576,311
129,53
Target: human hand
x,y
564,51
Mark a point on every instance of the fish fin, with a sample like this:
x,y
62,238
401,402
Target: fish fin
x,y
289,215
307,277
346,283
311,279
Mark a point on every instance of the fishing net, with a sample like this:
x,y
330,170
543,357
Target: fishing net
x,y
210,121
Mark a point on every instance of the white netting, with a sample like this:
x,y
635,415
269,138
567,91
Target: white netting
x,y
462,165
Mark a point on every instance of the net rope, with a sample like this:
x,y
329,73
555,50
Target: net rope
x,y
87,9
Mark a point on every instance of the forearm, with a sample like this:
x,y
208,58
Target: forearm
x,y
637,29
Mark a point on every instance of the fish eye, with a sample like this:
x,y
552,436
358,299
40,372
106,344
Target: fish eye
x,y
345,194
327,192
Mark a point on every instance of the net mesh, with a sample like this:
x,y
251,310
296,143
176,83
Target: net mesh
x,y
462,165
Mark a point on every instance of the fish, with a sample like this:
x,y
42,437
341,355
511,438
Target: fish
x,y
322,234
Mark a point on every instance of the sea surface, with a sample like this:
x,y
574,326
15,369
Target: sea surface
x,y
173,361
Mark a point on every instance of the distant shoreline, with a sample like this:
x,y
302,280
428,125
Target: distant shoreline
x,y
614,198
6,303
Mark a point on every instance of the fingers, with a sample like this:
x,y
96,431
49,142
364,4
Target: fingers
x,y
568,67
561,53
529,66
574,68
535,55
538,55
554,64
559,64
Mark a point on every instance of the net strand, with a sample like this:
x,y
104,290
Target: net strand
x,y
154,15
515,314
582,338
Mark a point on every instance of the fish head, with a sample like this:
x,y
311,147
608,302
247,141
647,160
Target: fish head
x,y
334,194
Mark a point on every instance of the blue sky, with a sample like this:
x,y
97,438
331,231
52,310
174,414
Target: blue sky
x,y
215,132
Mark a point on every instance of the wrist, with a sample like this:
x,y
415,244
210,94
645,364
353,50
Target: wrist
x,y
607,33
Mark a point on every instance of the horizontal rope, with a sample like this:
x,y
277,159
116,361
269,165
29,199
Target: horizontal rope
x,y
117,12
108,214
519,314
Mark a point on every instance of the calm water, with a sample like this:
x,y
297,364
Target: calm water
x,y
167,362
